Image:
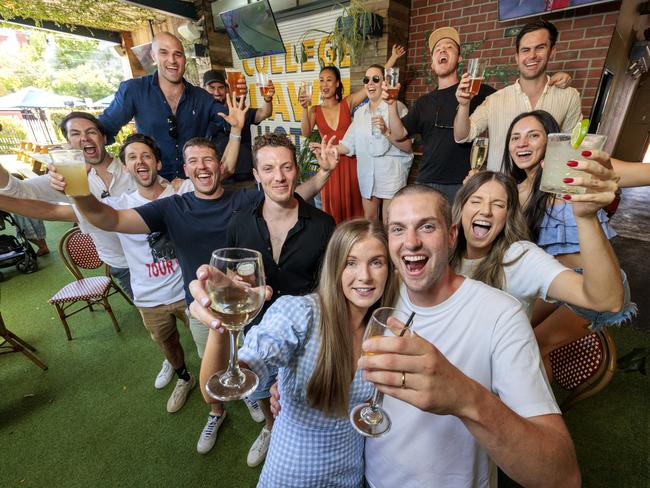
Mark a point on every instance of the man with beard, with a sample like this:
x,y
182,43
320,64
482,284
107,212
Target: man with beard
x,y
534,90
165,106
466,391
196,223
214,82
107,177
444,163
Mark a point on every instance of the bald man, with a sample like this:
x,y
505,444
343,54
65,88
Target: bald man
x,y
165,106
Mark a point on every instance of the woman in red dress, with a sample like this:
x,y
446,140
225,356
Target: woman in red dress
x,y
340,196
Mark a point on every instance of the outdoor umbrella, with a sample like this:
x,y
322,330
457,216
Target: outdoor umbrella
x,y
32,97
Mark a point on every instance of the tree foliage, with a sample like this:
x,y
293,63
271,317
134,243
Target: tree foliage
x,y
63,64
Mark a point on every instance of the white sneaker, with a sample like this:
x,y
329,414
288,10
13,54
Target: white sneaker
x,y
257,452
179,395
209,433
254,408
165,375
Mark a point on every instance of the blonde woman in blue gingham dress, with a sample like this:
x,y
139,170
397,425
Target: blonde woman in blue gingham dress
x,y
315,342
308,448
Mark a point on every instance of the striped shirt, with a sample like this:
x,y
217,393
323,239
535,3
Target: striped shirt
x,y
498,110
308,449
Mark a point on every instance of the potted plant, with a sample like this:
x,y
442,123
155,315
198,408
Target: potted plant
x,y
350,33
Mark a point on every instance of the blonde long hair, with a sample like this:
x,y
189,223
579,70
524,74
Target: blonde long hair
x,y
329,387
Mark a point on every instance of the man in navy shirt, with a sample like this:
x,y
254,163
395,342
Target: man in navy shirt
x,y
165,106
196,224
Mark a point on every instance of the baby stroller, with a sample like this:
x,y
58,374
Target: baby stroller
x,y
15,250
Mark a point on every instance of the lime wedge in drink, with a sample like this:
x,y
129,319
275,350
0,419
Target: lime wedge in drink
x,y
579,132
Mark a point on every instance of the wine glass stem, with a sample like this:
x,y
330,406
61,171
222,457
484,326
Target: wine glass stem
x,y
233,367
377,400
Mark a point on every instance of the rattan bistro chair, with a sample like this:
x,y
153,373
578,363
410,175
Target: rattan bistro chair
x,y
584,367
78,252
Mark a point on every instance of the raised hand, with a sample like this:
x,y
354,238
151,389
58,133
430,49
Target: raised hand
x,y
328,156
601,184
463,96
397,51
236,115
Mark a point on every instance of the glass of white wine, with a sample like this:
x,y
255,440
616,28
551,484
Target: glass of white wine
x,y
236,289
370,419
479,152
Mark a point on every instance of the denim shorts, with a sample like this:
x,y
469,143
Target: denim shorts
x,y
600,320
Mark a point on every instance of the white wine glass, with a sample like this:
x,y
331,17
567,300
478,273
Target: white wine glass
x,y
370,419
236,292
479,152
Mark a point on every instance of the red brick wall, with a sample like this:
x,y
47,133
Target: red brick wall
x,y
585,35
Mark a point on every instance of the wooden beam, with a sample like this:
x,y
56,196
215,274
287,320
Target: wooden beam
x,y
77,30
176,8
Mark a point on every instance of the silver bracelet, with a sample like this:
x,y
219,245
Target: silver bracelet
x,y
234,137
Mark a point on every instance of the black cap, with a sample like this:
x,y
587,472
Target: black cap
x,y
214,75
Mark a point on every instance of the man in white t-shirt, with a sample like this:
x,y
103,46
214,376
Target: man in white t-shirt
x,y
467,390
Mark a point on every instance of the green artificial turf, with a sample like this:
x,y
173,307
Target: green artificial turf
x,y
94,418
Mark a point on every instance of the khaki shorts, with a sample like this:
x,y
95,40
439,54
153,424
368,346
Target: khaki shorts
x,y
160,320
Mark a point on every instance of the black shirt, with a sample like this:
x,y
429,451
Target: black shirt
x,y
432,116
296,273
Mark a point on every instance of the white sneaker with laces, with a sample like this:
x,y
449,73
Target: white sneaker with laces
x,y
165,375
209,433
254,408
258,450
179,395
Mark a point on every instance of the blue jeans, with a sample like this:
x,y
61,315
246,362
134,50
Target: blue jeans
x,y
123,277
447,190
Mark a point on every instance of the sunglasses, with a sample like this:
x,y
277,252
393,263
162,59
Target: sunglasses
x,y
173,128
375,79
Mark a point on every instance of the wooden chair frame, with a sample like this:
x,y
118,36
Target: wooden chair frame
x,y
12,343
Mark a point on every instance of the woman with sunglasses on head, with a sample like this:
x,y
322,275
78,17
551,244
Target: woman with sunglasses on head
x,y
493,246
315,341
553,224
382,167
340,196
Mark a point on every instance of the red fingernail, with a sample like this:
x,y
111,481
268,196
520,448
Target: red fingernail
x,y
572,164
567,180
566,197
586,154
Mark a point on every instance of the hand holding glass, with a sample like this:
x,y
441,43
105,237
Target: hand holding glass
x,y
479,152
307,90
263,84
233,76
370,419
236,289
391,76
558,152
476,70
70,164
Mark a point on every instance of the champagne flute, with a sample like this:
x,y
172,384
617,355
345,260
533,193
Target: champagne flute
x,y
236,289
479,152
370,419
